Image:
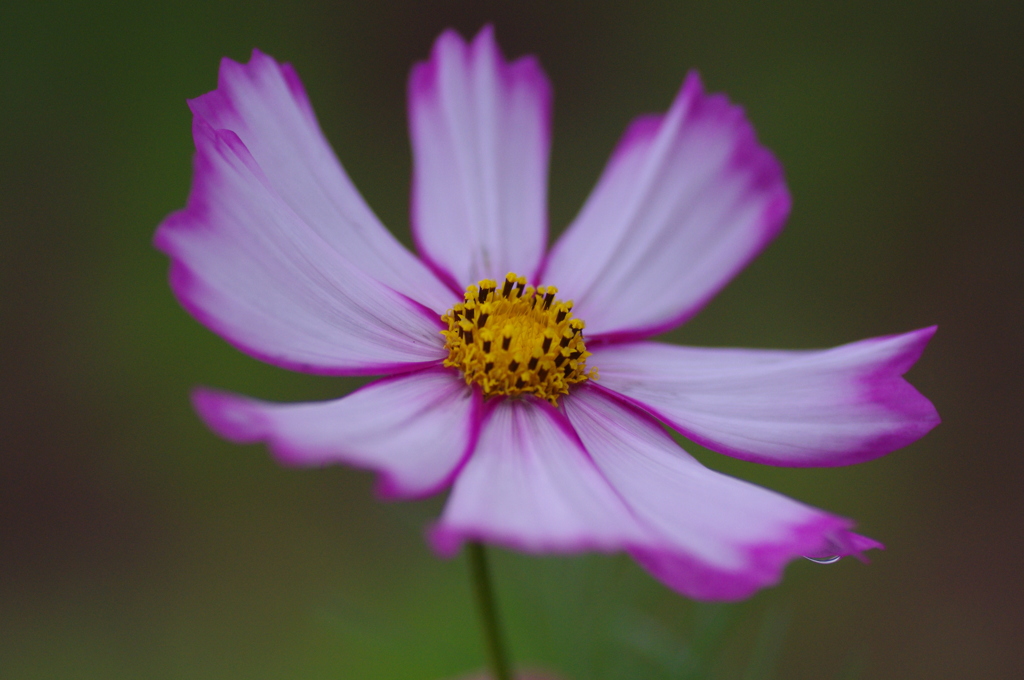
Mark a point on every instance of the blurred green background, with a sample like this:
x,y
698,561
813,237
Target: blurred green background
x,y
135,544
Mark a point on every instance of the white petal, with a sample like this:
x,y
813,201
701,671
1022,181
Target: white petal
x,y
802,408
530,486
686,201
249,268
265,104
480,136
713,537
414,429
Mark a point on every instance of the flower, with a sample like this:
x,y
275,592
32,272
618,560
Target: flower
x,y
550,438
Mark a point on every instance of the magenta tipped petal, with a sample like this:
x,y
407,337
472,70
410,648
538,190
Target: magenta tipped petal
x,y
413,429
798,408
250,269
265,105
530,486
481,131
686,201
709,536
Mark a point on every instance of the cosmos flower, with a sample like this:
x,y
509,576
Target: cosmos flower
x,y
523,378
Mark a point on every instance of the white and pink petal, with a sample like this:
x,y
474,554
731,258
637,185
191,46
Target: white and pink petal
x,y
800,408
480,130
686,201
414,429
530,486
709,536
252,270
266,106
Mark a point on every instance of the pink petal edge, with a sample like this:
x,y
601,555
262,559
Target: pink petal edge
x,y
531,487
807,408
708,536
252,271
481,134
686,201
416,429
266,106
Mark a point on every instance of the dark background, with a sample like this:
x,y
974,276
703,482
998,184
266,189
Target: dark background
x,y
135,544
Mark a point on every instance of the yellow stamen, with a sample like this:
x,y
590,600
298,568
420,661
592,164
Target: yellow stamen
x,y
512,339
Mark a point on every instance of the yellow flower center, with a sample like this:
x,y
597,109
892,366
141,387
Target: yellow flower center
x,y
516,340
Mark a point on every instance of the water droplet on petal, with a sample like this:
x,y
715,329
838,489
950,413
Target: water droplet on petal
x,y
831,559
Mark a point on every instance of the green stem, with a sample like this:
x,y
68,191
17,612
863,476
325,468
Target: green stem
x,y
484,592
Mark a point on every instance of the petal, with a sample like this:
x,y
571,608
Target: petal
x,y
802,408
265,104
248,267
530,486
480,131
686,201
716,538
414,429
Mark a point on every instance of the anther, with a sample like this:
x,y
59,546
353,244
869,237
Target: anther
x,y
513,366
506,341
549,296
482,320
510,281
487,286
